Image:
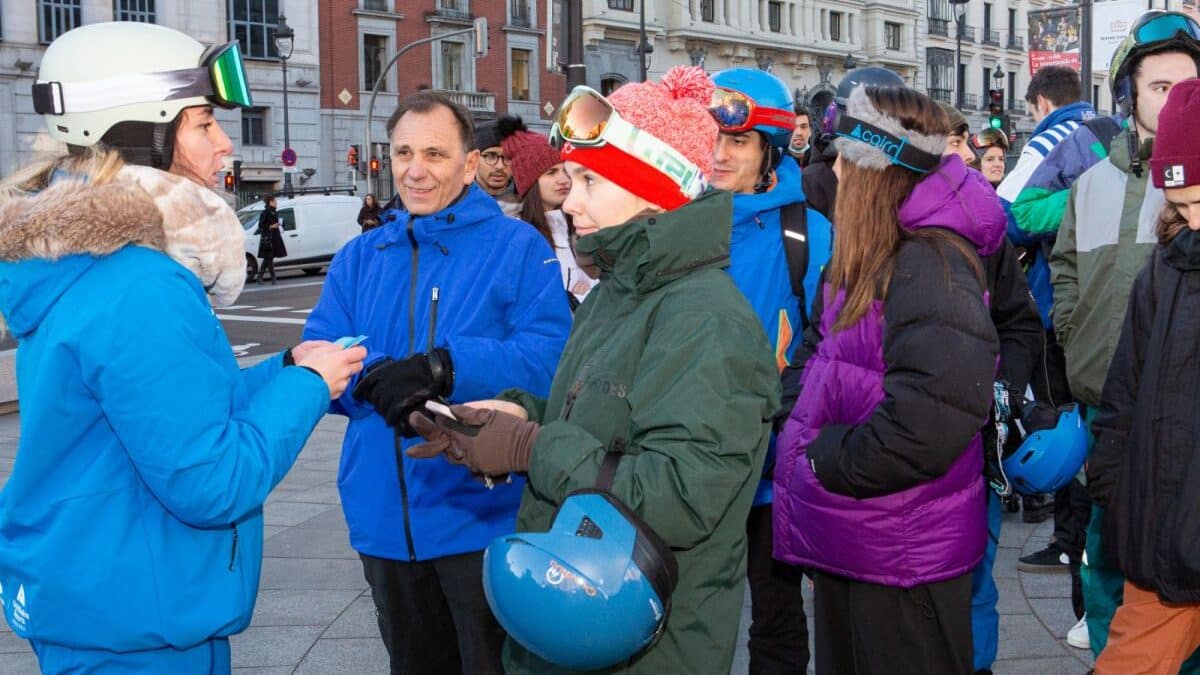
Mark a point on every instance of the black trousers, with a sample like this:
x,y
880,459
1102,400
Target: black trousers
x,y
867,629
778,627
433,615
268,262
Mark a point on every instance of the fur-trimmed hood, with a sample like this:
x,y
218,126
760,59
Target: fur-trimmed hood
x,y
73,219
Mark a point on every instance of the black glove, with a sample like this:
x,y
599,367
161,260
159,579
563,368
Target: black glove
x,y
397,388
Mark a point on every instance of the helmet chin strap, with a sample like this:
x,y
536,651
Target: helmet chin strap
x,y
771,159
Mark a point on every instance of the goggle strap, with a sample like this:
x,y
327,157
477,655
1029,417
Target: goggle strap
x,y
58,98
897,149
634,174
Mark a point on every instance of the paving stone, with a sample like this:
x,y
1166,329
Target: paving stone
x,y
329,519
312,574
260,647
306,478
1006,563
288,513
19,664
277,670
272,530
1056,614
1023,636
357,621
319,494
1046,585
296,542
300,608
1011,600
11,644
345,655
1050,666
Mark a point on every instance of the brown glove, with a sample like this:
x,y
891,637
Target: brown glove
x,y
485,441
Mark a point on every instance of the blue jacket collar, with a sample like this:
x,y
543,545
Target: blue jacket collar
x,y
787,190
474,207
1075,112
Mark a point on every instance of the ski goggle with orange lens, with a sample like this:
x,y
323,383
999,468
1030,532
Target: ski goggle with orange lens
x,y
736,113
989,138
628,156
220,78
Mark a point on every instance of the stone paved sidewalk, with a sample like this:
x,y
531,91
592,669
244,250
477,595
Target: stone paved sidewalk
x,y
314,612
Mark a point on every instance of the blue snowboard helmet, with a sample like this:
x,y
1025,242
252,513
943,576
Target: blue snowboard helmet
x,y
771,104
592,592
1054,449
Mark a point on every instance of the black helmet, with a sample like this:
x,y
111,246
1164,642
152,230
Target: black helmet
x,y
871,76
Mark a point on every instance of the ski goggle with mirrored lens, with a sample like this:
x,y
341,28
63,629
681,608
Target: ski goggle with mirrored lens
x,y
989,138
220,78
1166,27
634,159
736,113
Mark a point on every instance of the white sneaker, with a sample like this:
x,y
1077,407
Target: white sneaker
x,y
1078,637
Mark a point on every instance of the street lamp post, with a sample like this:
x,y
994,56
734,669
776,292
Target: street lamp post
x,y
284,43
960,13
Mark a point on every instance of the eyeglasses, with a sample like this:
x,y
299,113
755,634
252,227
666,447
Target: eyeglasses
x,y
490,158
1166,27
220,78
586,120
736,113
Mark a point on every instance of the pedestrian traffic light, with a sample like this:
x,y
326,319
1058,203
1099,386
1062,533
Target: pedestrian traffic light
x,y
352,157
237,173
996,108
374,166
229,182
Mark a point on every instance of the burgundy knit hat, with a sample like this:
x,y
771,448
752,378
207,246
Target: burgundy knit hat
x,y
1176,159
674,111
531,155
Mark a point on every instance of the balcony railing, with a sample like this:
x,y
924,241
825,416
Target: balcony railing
x,y
1016,42
939,27
991,37
474,101
519,13
452,12
378,5
968,33
971,101
943,95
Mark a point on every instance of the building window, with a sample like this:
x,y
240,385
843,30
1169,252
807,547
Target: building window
x,y
378,5
891,35
987,82
987,18
56,17
775,16
254,126
626,5
374,55
459,6
252,23
1095,96
835,26
610,83
708,11
520,89
1012,90
519,13
134,10
941,73
452,66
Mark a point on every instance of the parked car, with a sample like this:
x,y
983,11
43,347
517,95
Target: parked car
x,y
314,228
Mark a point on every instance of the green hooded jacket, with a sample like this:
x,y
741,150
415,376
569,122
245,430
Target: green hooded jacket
x,y
1106,237
666,360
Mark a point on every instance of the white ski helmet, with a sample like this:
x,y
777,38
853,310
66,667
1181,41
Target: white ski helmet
x,y
124,83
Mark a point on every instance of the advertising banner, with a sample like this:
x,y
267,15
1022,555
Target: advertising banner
x,y
1054,38
1111,22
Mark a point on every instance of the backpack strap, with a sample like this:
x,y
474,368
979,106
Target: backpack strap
x,y
793,219
1105,130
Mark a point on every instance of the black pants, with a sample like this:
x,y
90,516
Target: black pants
x,y
267,262
778,628
867,629
433,615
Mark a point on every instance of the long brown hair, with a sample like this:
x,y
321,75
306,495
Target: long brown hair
x,y
533,211
1170,223
868,225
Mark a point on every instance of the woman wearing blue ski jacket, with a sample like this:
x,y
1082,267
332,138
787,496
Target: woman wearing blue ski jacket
x,y
131,526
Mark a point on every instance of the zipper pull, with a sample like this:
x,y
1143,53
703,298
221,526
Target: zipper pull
x,y
433,317
233,549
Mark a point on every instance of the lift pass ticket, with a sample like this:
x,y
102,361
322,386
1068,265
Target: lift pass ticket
x,y
348,342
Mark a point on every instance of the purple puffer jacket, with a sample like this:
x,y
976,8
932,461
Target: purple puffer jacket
x,y
923,534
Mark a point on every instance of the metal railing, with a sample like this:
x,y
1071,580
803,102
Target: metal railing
x,y
968,33
452,12
939,27
991,37
1016,42
474,101
943,95
378,5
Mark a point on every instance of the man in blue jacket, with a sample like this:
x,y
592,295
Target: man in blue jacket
x,y
754,111
458,302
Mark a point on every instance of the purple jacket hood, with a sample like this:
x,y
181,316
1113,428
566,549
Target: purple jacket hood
x,y
958,198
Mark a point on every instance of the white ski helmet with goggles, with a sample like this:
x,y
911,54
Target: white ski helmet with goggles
x,y
125,83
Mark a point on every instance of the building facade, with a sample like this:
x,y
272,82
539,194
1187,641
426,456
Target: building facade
x,y
360,37
27,26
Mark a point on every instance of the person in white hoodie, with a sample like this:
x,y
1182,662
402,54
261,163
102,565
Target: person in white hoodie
x,y
542,184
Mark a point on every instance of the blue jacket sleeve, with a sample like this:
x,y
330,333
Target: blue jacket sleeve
x,y
537,326
255,376
332,318
209,450
820,249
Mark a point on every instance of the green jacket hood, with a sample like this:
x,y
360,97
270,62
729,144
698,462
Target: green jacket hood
x,y
649,252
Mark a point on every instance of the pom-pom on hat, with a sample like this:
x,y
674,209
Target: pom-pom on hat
x,y
531,153
1175,162
675,111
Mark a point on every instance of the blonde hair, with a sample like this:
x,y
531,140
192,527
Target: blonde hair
x,y
99,164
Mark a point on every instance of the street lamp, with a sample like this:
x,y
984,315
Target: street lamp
x,y
960,12
998,76
284,43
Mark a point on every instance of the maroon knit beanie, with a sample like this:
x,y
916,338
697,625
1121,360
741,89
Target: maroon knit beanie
x,y
531,155
1176,159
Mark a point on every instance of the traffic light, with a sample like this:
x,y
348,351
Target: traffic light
x,y
374,166
229,182
352,157
996,108
237,173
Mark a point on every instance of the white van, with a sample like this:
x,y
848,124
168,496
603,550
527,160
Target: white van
x,y
314,228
